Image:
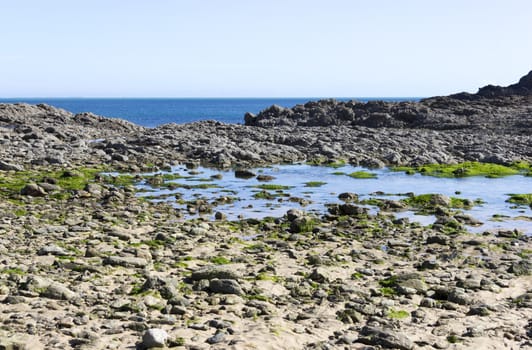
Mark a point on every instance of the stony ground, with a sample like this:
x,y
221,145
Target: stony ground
x,y
97,268
85,264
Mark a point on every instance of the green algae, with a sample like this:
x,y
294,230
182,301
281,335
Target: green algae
x,y
220,260
362,175
430,200
273,187
327,163
315,183
467,169
521,199
398,314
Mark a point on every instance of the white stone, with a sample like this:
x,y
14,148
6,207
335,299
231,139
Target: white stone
x,y
154,338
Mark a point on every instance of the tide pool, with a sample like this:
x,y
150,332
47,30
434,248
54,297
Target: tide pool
x,y
310,188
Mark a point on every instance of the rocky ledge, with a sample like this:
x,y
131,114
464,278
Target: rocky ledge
x,y
493,108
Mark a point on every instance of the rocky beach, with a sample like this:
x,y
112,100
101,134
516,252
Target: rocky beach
x,y
88,264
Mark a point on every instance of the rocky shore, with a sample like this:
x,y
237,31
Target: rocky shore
x,y
490,127
86,264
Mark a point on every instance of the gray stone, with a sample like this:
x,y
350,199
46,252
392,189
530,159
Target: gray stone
x,y
58,291
244,174
5,166
385,338
348,197
33,190
125,261
351,209
302,224
218,337
319,275
225,286
52,249
154,338
212,272
293,214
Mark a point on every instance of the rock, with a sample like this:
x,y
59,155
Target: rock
x,y
218,337
521,268
220,216
429,302
441,200
5,166
319,275
36,284
225,286
293,214
17,341
385,338
154,338
215,272
33,190
244,174
52,249
351,209
302,224
348,197
58,291
125,261
265,178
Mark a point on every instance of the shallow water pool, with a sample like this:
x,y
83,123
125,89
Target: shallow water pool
x,y
387,184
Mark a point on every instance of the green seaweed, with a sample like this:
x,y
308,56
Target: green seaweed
x,y
467,169
220,260
521,199
398,314
273,187
362,175
327,163
315,183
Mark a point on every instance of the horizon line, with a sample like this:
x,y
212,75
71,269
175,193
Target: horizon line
x,y
206,97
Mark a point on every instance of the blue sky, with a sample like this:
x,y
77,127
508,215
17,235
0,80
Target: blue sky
x,y
274,48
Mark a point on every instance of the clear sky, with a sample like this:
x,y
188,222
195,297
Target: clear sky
x,y
252,48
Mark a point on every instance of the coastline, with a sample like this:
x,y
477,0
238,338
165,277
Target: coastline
x,y
88,265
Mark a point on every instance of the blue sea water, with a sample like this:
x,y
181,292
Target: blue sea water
x,y
151,112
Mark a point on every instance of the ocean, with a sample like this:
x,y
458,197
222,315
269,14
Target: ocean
x,y
151,112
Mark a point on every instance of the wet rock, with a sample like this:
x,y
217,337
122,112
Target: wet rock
x,y
293,214
351,209
265,178
220,216
348,197
244,174
302,224
440,200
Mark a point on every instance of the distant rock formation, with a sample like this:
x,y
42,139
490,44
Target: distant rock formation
x,y
492,107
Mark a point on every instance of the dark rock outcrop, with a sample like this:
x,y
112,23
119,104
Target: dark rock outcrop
x,y
493,107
